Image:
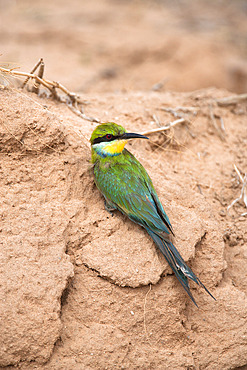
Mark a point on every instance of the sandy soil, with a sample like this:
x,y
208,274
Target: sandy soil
x,y
81,289
107,45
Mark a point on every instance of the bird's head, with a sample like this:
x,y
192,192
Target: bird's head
x,y
109,139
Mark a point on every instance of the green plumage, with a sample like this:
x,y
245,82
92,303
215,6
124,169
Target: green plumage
x,y
127,187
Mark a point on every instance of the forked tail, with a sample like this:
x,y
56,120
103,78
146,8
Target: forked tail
x,y
179,267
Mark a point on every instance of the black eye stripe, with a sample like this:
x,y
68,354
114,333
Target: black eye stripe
x,y
104,139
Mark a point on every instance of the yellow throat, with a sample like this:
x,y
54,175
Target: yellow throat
x,y
115,147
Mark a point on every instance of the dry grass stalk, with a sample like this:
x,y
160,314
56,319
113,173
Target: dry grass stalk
x,y
179,112
220,130
243,195
231,100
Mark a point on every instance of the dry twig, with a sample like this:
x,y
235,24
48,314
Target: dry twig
x,y
72,100
164,128
40,75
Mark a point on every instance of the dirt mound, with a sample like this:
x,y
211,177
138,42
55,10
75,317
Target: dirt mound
x,y
75,282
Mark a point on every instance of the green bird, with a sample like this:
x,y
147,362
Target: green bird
x,y
127,187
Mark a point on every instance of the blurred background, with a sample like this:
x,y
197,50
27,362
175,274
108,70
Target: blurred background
x,y
123,45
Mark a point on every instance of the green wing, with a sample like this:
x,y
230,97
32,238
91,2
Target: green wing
x,y
125,183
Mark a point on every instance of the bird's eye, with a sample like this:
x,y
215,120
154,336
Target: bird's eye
x,y
108,136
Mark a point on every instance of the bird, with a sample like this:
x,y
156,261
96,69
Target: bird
x,y
127,187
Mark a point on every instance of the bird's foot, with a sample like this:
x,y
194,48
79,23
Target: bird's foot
x,y
109,208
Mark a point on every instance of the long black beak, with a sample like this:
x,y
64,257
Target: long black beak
x,y
129,135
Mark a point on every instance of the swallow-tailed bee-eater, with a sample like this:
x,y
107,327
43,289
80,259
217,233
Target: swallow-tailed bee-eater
x,y
127,187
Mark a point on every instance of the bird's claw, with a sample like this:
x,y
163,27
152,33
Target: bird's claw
x,y
109,208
